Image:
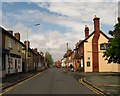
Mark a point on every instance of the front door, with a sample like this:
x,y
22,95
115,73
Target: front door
x,y
16,70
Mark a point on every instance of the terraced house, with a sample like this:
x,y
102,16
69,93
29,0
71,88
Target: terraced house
x,y
11,52
17,56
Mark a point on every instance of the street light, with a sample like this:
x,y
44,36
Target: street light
x,y
27,48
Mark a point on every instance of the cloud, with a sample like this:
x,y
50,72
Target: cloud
x,y
23,30
52,41
71,15
84,11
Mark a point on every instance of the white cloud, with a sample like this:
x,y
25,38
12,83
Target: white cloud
x,y
52,41
73,16
23,30
84,11
74,0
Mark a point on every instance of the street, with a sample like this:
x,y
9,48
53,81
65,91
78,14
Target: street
x,y
52,81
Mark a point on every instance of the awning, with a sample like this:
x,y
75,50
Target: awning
x,y
5,51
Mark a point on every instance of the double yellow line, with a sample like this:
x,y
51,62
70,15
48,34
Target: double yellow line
x,y
91,88
18,84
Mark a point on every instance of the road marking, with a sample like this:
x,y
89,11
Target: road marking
x,y
18,84
90,87
93,85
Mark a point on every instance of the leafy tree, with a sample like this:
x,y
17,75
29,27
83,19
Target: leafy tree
x,y
112,53
48,58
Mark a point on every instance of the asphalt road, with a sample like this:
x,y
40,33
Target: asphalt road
x,y
52,81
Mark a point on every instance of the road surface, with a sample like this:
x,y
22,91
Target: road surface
x,y
52,81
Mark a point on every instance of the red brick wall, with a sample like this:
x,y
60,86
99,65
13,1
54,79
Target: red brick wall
x,y
95,57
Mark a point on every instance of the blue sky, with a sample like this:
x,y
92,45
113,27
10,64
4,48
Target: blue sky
x,y
60,22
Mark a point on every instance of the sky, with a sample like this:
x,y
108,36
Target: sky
x,y
61,21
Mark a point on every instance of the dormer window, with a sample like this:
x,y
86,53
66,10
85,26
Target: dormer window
x,y
103,46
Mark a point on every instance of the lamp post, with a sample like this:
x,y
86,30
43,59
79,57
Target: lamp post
x,y
27,49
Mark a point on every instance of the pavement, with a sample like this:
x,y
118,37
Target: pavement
x,y
15,78
106,82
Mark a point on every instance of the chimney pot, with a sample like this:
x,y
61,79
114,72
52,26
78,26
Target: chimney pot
x,y
96,25
17,36
35,49
27,43
10,31
86,31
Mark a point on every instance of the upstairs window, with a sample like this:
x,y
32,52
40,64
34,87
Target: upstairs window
x,y
18,47
103,46
10,43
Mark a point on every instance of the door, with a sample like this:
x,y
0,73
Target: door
x,y
16,70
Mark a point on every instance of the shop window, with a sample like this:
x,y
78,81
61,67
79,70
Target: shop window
x,y
11,63
3,62
19,63
88,63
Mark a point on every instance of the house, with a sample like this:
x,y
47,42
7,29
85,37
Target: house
x,y
16,56
39,60
91,51
68,58
76,60
58,63
31,59
63,62
11,52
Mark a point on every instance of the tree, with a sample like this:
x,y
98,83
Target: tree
x,y
112,53
48,58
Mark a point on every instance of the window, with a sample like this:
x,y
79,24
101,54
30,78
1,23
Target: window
x,y
18,47
3,62
10,43
103,46
88,63
19,63
88,58
10,63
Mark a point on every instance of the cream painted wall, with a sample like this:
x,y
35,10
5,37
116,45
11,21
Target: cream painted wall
x,y
14,50
88,53
103,65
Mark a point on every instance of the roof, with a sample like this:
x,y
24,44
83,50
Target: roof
x,y
7,33
13,37
85,40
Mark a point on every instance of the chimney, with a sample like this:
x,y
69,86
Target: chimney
x,y
27,43
96,25
17,36
35,49
10,31
86,31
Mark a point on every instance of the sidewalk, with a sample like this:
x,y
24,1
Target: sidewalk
x,y
12,79
108,82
